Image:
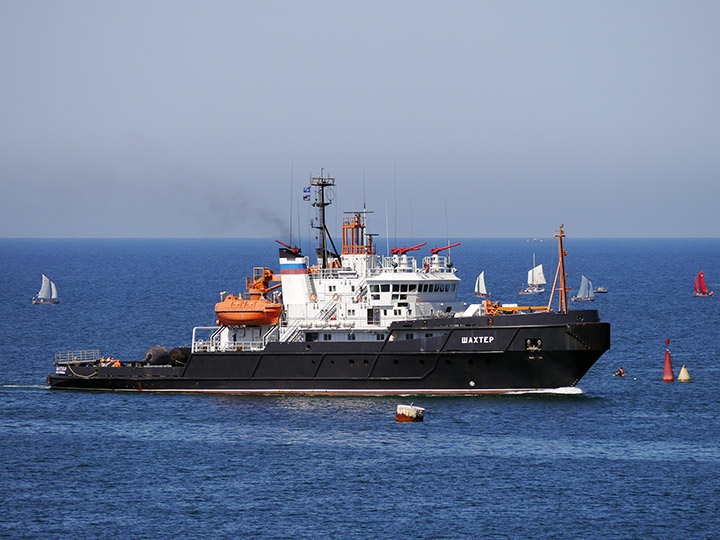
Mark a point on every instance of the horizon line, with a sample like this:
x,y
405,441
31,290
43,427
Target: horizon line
x,y
404,238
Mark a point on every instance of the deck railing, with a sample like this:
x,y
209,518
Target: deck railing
x,y
213,343
88,355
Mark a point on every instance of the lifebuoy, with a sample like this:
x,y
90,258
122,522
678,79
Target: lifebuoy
x,y
336,297
313,297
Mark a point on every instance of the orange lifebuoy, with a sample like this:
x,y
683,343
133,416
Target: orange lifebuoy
x,y
313,297
336,297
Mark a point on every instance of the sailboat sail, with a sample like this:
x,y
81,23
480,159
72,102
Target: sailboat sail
x,y
536,276
480,289
536,280
47,293
45,288
586,289
700,287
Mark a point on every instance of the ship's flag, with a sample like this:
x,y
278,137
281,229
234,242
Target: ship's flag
x,y
306,189
306,197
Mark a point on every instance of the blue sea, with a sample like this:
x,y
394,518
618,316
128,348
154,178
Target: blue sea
x,y
628,458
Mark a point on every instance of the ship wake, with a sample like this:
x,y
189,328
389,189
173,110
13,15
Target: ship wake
x,y
564,391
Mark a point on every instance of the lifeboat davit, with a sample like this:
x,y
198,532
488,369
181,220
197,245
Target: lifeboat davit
x,y
234,311
253,308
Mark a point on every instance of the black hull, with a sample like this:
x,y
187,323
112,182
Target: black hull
x,y
470,356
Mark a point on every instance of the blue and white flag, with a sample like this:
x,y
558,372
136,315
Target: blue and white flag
x,y
306,189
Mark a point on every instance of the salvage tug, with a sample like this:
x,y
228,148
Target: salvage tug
x,y
358,323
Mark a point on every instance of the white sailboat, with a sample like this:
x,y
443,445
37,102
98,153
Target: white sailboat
x,y
585,294
536,280
480,289
47,293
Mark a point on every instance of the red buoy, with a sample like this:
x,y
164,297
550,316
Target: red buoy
x,y
668,373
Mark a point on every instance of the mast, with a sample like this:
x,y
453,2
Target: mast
x,y
561,275
320,183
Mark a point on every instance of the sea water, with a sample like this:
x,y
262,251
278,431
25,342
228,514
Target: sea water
x,y
628,457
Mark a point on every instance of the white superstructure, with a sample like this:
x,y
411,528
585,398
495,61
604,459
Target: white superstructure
x,y
362,293
354,295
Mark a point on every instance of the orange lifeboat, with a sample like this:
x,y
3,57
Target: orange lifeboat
x,y
238,311
253,309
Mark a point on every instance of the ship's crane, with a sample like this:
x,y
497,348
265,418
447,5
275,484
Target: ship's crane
x,y
295,250
437,250
403,250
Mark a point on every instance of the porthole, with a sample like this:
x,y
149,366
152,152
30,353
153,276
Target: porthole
x,y
396,362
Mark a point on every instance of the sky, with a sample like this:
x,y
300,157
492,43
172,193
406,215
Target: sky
x,y
447,119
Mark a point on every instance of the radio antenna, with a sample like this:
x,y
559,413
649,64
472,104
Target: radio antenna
x,y
291,203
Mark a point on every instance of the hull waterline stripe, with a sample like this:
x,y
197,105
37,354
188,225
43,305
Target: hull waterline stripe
x,y
359,393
